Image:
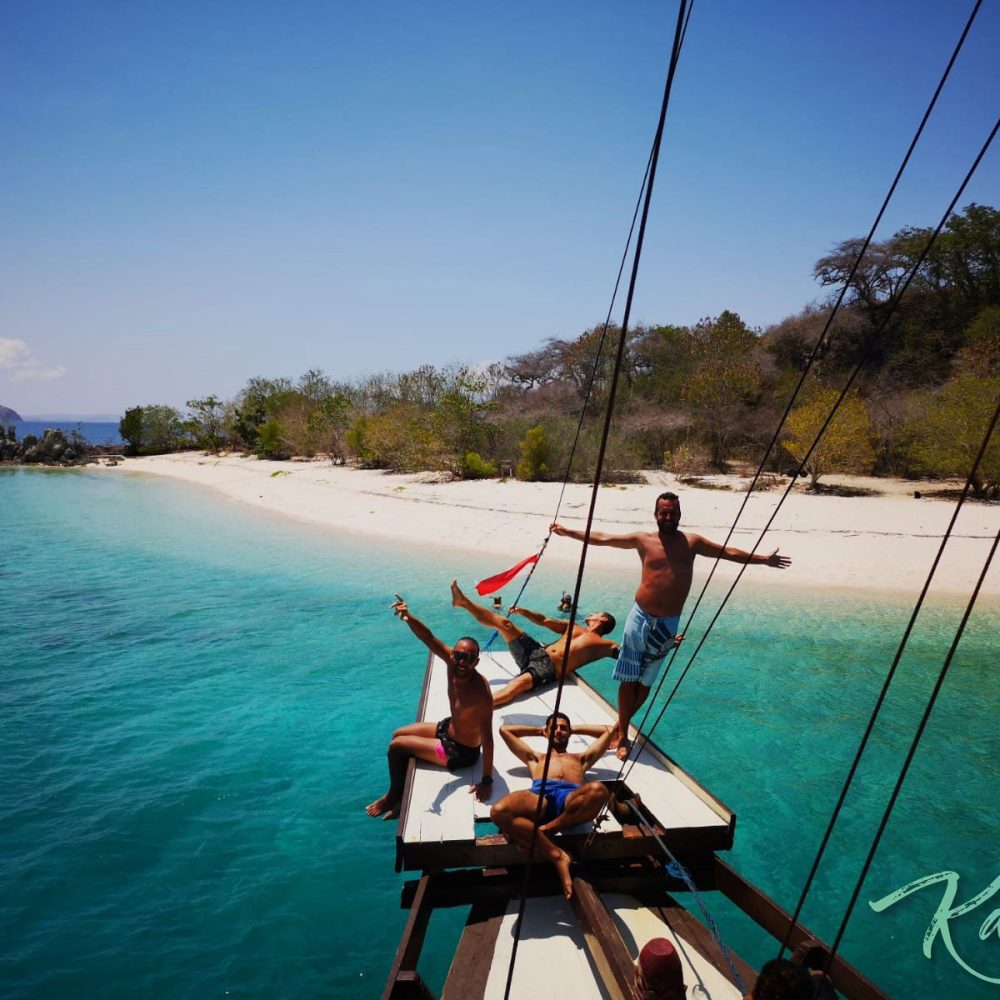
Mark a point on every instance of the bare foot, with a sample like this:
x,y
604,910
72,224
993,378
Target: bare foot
x,y
393,813
458,599
562,864
381,805
624,749
616,736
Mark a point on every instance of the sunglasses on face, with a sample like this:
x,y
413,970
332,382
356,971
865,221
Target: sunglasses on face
x,y
461,656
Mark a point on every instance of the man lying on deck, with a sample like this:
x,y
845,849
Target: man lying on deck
x,y
542,665
453,742
569,799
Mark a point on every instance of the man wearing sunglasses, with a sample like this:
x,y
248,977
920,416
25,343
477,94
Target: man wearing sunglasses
x,y
455,741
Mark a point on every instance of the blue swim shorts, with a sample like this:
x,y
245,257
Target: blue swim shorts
x,y
645,642
556,794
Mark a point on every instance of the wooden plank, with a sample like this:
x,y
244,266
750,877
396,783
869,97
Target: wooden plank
x,y
410,986
470,968
702,962
410,946
615,965
551,958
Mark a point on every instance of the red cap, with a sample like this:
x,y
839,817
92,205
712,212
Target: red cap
x,y
661,966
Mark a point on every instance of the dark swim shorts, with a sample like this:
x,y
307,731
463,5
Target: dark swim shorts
x,y
532,659
452,754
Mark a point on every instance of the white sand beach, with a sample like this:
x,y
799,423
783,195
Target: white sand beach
x,y
885,542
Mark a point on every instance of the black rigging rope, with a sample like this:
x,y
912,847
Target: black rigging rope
x,y
679,33
809,364
597,354
869,347
931,701
909,628
586,398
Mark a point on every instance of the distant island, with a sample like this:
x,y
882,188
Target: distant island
x,y
9,416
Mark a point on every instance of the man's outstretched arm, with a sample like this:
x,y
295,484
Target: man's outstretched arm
x,y
630,541
420,630
557,625
704,547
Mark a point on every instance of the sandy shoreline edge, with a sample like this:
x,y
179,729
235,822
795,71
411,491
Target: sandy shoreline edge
x,y
881,543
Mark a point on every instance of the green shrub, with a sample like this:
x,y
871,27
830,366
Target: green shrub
x,y
474,466
269,441
535,456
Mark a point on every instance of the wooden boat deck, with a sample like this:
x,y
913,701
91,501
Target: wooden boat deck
x,y
553,958
442,825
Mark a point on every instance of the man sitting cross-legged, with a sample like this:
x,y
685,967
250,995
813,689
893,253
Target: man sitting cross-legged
x,y
569,799
542,665
455,741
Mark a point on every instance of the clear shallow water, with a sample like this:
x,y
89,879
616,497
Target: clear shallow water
x,y
196,700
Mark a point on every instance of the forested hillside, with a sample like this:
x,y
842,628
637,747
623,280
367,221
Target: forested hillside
x,y
925,364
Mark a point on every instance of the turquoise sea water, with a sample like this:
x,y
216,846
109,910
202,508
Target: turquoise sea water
x,y
196,698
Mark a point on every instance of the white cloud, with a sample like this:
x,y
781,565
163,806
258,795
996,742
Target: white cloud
x,y
37,374
13,353
21,366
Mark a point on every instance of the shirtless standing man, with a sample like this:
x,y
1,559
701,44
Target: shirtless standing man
x,y
568,798
453,742
542,665
667,557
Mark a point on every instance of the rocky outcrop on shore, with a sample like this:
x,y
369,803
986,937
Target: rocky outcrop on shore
x,y
53,448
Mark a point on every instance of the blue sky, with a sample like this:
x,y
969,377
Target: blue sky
x,y
195,194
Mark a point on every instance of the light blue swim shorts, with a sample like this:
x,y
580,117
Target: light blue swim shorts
x,y
645,643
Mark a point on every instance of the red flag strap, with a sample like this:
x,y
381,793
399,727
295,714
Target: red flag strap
x,y
494,583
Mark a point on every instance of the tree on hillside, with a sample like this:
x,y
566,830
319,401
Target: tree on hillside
x,y
460,418
206,421
981,354
152,430
130,430
725,384
949,434
958,276
665,358
846,444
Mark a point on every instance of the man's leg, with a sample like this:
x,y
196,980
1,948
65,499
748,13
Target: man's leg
x,y
519,685
582,805
631,695
515,815
419,740
484,616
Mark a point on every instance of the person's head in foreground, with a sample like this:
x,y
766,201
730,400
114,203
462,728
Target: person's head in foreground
x,y
658,973
781,979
